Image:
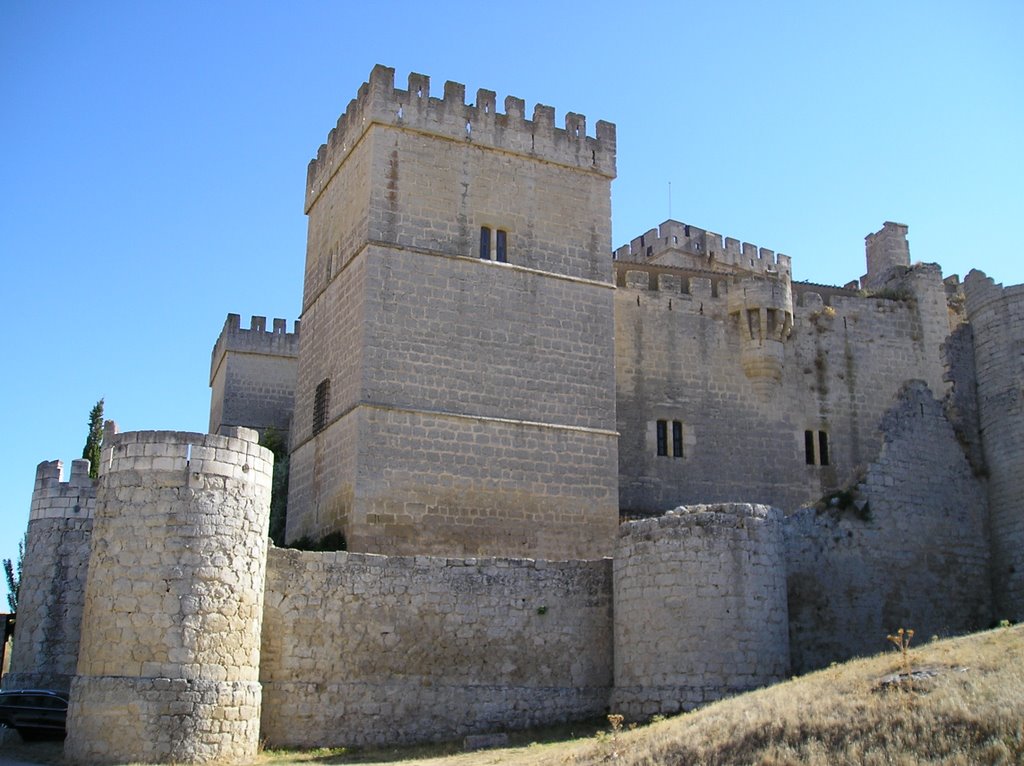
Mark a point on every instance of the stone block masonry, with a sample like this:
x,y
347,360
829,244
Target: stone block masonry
x,y
252,375
997,315
169,655
457,311
53,578
907,546
700,607
362,649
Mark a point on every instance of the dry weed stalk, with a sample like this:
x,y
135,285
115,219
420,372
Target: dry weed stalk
x,y
902,641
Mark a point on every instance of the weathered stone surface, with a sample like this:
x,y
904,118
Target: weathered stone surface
x,y
169,657
364,649
700,607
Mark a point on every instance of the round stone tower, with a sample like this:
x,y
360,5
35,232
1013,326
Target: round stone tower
x,y
168,665
700,607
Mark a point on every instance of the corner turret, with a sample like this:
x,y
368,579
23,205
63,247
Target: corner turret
x,y
763,308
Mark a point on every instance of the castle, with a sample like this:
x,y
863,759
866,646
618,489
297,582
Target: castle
x,y
498,411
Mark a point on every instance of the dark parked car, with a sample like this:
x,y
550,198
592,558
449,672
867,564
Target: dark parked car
x,y
35,713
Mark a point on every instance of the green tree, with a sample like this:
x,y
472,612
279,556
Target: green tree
x,y
94,440
12,573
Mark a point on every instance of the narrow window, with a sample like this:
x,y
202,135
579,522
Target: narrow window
x,y
485,243
809,447
501,241
677,439
662,438
321,404
822,448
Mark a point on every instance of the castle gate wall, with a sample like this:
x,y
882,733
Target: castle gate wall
x,y
700,607
907,547
679,360
997,315
53,579
169,654
365,649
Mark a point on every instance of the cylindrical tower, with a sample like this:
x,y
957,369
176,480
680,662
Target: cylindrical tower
x,y
168,666
700,607
997,318
53,578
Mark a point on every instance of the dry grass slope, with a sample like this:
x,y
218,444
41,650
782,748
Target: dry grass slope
x,y
966,706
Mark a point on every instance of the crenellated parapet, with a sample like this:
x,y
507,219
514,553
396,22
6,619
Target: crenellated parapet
x,y
257,339
53,498
380,102
680,244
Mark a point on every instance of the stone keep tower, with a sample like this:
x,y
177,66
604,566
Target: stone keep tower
x,y
456,387
168,664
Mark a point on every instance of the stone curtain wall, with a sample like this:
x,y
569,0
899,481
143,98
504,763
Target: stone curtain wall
x,y
700,607
53,579
679,358
168,666
363,649
916,556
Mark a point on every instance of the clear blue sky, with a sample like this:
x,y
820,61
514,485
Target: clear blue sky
x,y
154,158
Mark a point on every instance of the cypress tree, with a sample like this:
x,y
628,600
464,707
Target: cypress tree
x,y
94,439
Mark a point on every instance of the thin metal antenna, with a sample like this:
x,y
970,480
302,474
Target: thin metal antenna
x,y
670,200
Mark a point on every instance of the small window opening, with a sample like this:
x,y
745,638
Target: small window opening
x,y
496,241
501,246
677,439
485,243
686,229
662,438
650,250
809,447
321,405
469,128
822,448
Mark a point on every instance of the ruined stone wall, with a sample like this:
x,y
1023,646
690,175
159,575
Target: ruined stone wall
x,y
53,578
440,362
169,656
680,357
365,649
997,316
907,547
700,607
252,375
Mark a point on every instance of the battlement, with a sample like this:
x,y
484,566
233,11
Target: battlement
x,y
54,498
234,454
680,244
256,340
980,290
380,102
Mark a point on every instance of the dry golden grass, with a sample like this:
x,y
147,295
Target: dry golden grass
x,y
971,711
